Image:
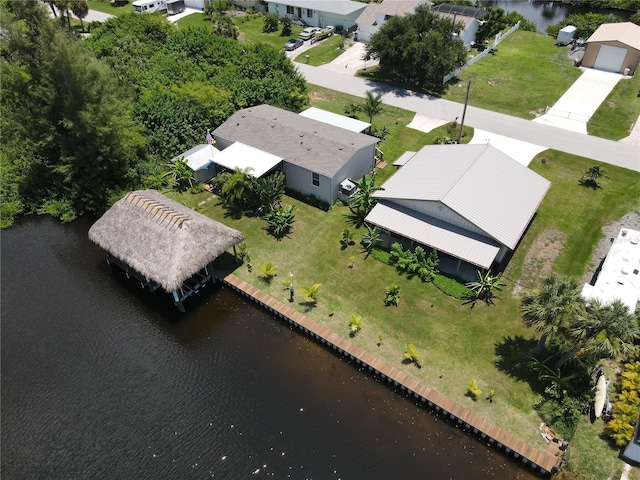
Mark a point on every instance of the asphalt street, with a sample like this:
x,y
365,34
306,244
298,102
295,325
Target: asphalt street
x,y
606,151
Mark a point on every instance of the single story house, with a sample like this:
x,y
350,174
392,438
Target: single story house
x,y
162,243
342,14
468,16
376,14
200,160
614,47
471,203
316,156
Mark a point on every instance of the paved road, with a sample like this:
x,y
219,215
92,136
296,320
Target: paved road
x,y
606,151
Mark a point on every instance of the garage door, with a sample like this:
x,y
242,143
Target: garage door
x,y
610,58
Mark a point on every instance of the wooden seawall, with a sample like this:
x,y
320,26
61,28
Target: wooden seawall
x,y
543,462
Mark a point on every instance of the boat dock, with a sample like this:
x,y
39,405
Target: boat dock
x,y
544,462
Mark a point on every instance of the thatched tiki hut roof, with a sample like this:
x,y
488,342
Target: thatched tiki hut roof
x,y
161,239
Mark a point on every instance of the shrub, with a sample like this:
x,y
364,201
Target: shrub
x,y
625,409
270,24
411,355
392,295
415,263
473,390
355,324
280,220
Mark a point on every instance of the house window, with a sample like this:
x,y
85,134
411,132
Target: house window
x,y
289,10
309,13
315,179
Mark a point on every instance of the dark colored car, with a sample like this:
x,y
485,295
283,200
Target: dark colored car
x,y
292,44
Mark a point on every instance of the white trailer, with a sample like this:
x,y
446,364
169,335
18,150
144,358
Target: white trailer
x,y
149,6
566,35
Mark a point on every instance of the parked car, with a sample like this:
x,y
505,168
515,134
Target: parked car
x,y
293,43
308,33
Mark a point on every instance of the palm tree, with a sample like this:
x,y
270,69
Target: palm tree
x,y
370,240
267,270
180,174
412,356
355,324
604,331
486,286
372,104
234,186
80,9
311,293
362,201
592,174
473,389
392,295
551,309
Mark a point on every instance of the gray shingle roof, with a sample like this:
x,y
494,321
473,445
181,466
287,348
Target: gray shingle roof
x,y
316,146
479,182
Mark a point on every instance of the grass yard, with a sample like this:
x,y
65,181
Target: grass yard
x,y
458,343
592,457
323,52
106,6
617,114
526,74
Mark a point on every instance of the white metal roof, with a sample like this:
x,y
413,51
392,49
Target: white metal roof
x,y
239,155
459,243
478,182
619,277
404,158
335,119
199,156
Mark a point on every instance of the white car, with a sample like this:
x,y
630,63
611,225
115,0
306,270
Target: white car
x,y
308,33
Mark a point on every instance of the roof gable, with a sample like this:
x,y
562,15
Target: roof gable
x,y
314,145
627,33
478,182
160,238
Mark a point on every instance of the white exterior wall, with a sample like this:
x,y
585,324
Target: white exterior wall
x,y
317,18
469,34
300,180
366,31
361,163
432,208
197,4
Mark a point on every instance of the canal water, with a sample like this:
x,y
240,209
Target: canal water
x,y
544,13
99,382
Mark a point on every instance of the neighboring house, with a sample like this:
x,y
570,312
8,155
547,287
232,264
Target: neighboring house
x,y
200,160
471,203
614,47
316,156
376,15
342,14
468,16
632,450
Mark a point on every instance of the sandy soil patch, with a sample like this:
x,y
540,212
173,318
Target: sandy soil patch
x,y
540,257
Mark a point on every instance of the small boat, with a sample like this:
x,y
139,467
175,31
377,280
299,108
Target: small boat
x,y
601,396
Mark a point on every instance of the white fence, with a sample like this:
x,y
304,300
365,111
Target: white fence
x,y
499,37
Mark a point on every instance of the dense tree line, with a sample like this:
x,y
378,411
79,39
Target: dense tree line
x,y
85,120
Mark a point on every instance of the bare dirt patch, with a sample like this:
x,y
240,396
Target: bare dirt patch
x,y
540,257
313,95
609,232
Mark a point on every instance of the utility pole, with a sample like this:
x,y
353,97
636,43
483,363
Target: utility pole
x,y
464,112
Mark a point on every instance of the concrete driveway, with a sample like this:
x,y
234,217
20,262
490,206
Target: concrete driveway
x,y
574,109
351,60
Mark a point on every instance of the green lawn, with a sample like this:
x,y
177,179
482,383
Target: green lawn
x,y
526,74
323,52
457,342
618,112
106,6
